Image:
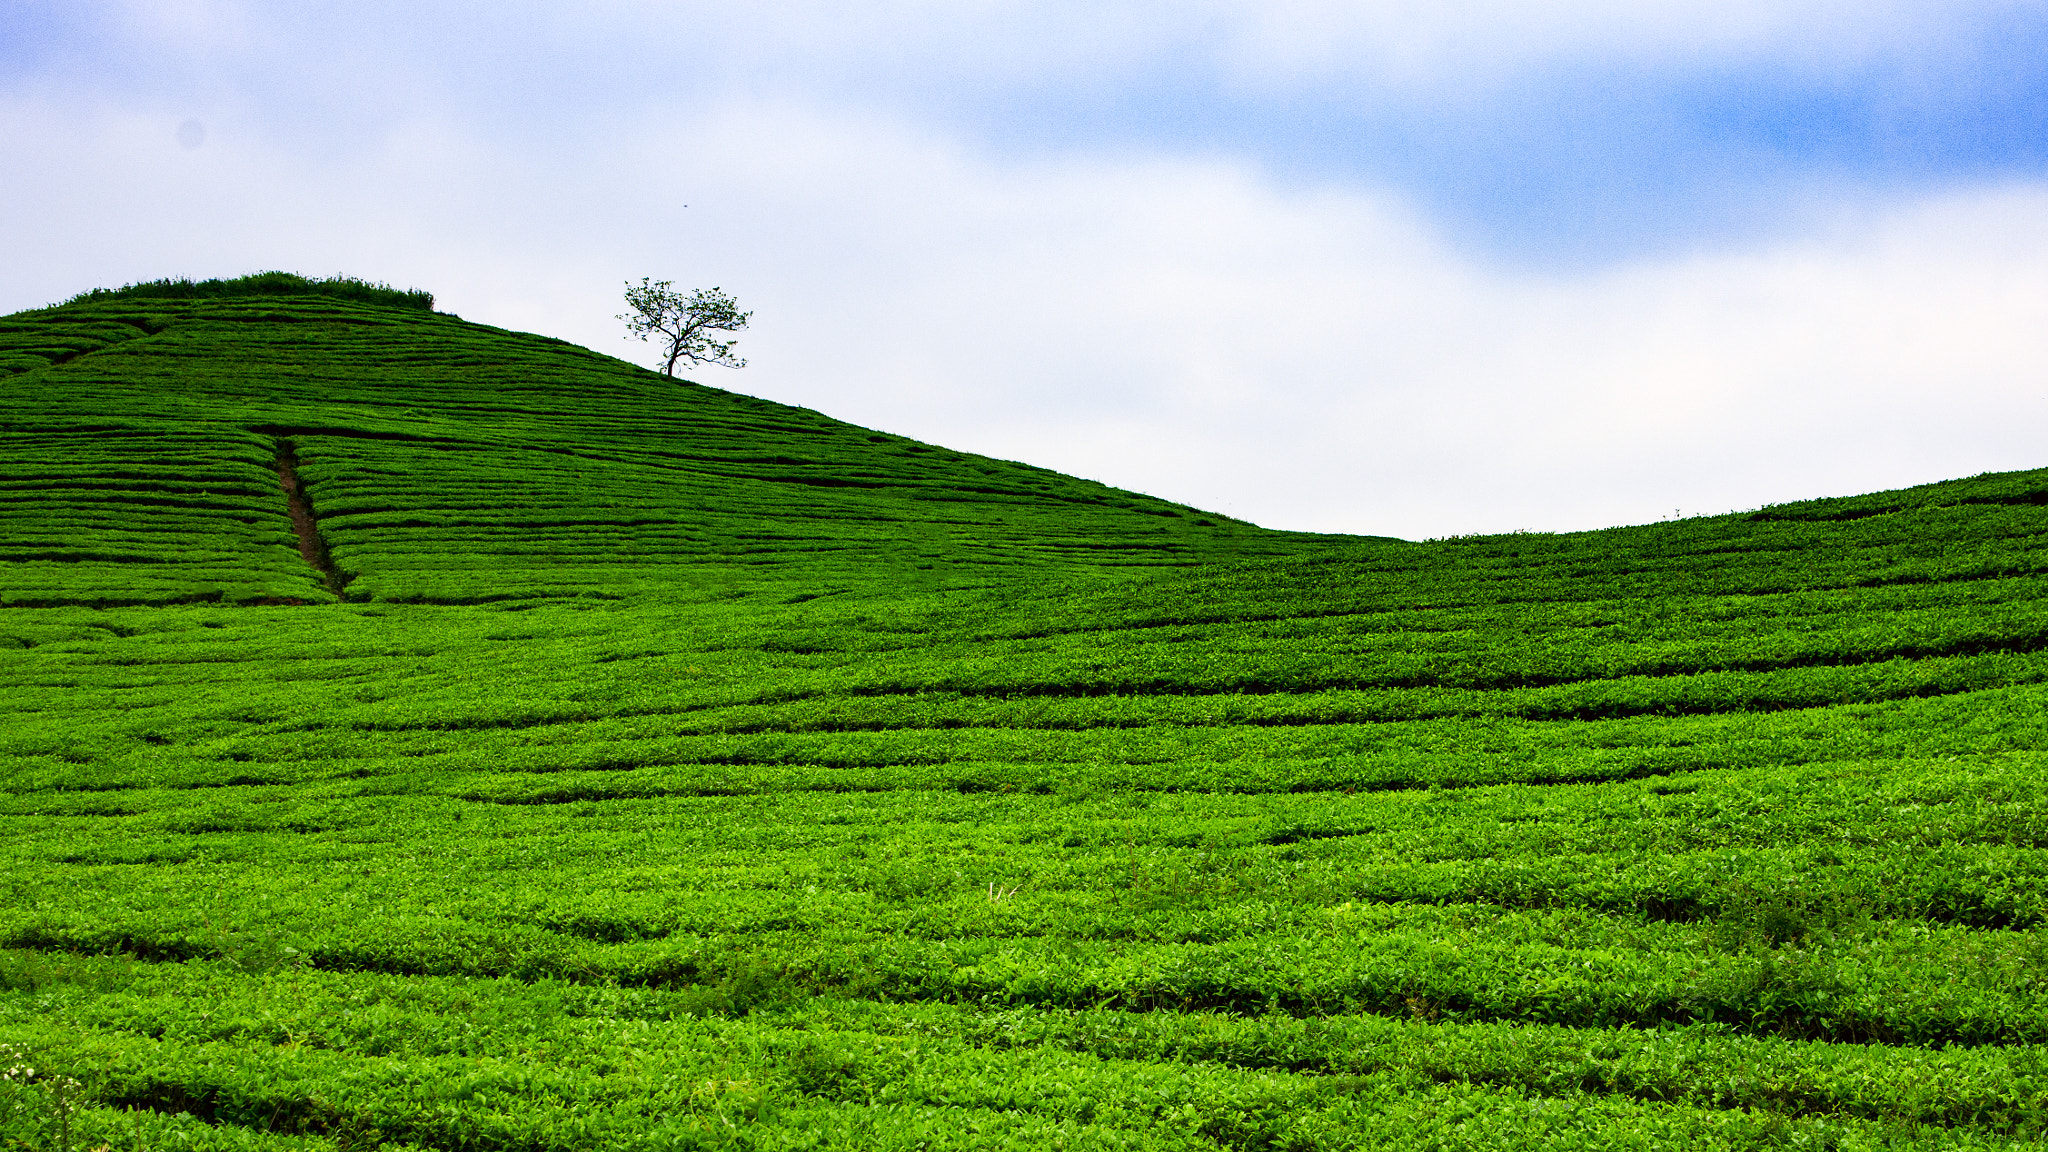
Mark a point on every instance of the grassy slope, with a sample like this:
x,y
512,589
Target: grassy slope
x,y
449,462
1725,832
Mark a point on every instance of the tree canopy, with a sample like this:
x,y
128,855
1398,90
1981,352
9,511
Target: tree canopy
x,y
685,322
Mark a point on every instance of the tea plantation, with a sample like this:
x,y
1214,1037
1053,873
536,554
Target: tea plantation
x,y
415,735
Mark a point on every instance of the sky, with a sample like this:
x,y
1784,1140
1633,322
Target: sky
x,y
1393,267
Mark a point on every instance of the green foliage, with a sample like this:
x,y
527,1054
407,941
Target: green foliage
x,y
264,284
451,463
685,771
686,323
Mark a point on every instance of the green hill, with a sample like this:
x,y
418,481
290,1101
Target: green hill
x,y
677,770
450,462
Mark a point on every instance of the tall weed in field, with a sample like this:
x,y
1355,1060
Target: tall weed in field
x,y
38,1107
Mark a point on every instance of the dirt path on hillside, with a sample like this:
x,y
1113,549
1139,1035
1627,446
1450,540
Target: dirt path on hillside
x,y
312,545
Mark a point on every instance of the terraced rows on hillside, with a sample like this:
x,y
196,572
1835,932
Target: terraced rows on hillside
x,y
1728,833
450,462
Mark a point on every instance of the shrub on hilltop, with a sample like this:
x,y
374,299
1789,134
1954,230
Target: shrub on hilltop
x,y
266,284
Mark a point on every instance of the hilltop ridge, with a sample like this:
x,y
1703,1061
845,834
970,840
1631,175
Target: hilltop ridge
x,y
150,439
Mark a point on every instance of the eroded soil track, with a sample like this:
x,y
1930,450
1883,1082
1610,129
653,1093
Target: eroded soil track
x,y
312,545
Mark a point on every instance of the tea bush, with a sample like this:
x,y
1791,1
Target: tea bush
x,y
680,770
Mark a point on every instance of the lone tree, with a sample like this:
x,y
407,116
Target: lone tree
x,y
686,322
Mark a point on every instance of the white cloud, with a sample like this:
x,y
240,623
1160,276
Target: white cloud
x,y
1318,360
1301,358
384,53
